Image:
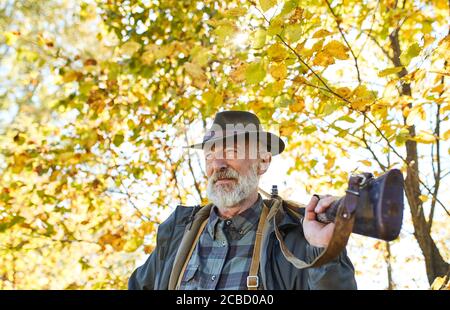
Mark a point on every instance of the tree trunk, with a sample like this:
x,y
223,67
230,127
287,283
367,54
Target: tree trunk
x,y
434,262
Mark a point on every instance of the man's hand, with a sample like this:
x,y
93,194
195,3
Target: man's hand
x,y
316,233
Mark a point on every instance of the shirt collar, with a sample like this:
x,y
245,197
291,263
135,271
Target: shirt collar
x,y
242,222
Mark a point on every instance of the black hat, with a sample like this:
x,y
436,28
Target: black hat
x,y
231,124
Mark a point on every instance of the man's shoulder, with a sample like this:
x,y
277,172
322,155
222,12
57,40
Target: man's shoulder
x,y
180,216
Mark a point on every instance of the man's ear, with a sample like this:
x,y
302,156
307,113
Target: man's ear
x,y
264,163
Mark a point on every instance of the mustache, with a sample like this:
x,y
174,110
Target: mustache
x,y
229,173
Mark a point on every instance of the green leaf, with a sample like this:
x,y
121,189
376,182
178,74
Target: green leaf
x,y
267,4
118,139
259,39
283,101
309,129
288,7
293,32
129,48
15,220
255,73
346,118
390,71
277,52
224,32
413,51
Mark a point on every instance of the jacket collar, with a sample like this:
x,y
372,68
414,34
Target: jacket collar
x,y
242,222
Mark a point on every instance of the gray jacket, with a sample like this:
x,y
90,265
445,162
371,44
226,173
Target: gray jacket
x,y
276,272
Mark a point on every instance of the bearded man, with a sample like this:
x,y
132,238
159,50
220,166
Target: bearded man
x,y
232,247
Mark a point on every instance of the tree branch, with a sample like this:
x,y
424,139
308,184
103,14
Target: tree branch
x,y
338,23
370,30
383,167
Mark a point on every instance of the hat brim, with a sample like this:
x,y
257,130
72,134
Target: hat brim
x,y
263,136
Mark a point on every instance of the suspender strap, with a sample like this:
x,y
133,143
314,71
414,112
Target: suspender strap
x,y
253,279
187,245
197,237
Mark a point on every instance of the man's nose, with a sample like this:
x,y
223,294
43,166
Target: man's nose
x,y
219,165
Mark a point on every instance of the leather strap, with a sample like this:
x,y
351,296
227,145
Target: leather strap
x,y
188,258
344,221
253,279
187,246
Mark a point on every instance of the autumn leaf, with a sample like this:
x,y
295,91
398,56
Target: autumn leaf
x,y
258,38
323,59
321,33
424,136
298,105
416,113
197,74
424,198
255,73
238,74
267,4
412,51
278,71
277,52
129,48
288,128
118,139
337,50
389,71
446,135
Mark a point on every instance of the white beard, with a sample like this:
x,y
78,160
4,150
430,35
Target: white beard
x,y
226,196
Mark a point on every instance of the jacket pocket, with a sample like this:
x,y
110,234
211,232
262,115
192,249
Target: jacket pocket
x,y
190,272
189,277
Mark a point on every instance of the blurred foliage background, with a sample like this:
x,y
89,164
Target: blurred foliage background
x,y
97,99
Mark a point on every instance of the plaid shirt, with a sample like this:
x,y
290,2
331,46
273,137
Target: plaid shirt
x,y
222,257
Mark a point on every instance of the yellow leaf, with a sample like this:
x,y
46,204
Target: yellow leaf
x,y
323,59
129,48
147,227
424,198
362,97
389,71
344,92
337,50
288,128
367,163
414,114
238,74
425,137
438,89
380,110
10,38
258,39
330,163
445,107
71,76
278,71
446,135
299,80
277,52
267,4
441,283
298,105
321,33
200,55
317,46
236,12
195,71
212,98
